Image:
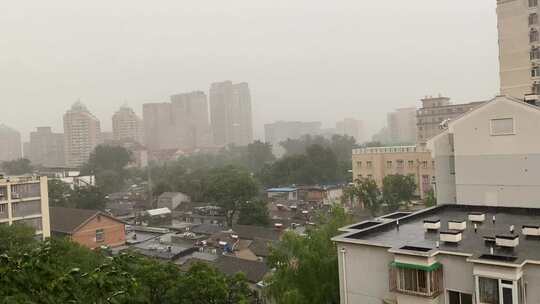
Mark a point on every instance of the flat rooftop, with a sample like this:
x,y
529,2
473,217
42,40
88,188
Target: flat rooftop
x,y
383,232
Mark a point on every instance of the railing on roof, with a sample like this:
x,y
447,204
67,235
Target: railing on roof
x,y
393,149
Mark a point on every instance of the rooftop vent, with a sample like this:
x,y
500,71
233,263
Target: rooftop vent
x,y
451,236
477,217
494,257
507,240
489,239
432,224
415,248
459,225
531,230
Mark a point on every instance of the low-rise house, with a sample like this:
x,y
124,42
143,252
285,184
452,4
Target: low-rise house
x,y
326,195
172,200
286,193
90,228
163,248
156,217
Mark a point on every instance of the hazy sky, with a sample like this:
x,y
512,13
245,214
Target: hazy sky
x,y
304,59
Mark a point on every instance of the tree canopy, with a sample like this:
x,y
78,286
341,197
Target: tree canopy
x,y
17,167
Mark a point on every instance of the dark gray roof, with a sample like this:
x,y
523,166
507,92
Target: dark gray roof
x,y
170,194
207,229
67,220
254,270
411,231
261,247
252,232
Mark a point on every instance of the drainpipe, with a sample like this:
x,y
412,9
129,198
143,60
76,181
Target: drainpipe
x,y
344,270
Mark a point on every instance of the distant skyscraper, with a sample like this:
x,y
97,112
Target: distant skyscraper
x,y
190,112
127,126
10,143
231,116
279,131
351,127
45,148
402,125
159,128
82,133
519,48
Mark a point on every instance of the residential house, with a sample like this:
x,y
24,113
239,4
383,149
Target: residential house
x,y
172,200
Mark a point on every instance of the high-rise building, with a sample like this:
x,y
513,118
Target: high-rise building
x,y
25,200
231,117
519,48
279,131
159,130
435,112
46,148
127,125
402,125
82,133
351,127
191,120
10,143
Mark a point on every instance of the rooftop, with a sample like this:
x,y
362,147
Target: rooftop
x,y
393,149
384,232
68,220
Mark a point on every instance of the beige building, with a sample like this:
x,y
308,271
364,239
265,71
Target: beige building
x,y
519,48
25,200
402,126
82,133
46,148
351,127
377,162
10,144
127,126
435,112
230,113
159,128
191,120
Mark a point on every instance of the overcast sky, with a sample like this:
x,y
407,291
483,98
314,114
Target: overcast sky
x,y
304,59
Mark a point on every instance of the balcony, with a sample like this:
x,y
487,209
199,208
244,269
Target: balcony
x,y
416,280
25,209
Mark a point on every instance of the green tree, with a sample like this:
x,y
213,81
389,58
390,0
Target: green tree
x,y
430,200
59,193
17,167
259,154
398,188
254,213
88,197
366,192
306,267
108,164
231,187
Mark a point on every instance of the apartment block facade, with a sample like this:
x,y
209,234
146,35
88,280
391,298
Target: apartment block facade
x,y
402,126
82,133
46,148
378,162
231,114
25,200
351,127
192,122
10,143
127,126
519,48
435,112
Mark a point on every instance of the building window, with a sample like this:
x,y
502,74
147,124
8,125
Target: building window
x,y
389,164
455,297
433,164
100,236
424,164
400,163
416,280
533,19
502,126
359,164
452,164
533,3
498,291
533,35
370,177
369,164
535,53
488,290
410,164
535,71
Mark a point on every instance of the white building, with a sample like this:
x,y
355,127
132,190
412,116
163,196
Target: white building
x,y
490,156
82,133
25,200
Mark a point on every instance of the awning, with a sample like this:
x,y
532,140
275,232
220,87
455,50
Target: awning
x,y
432,267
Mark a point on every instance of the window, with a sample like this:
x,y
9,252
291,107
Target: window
x,y
488,290
400,163
533,19
536,89
100,236
455,297
369,164
535,71
533,3
410,164
414,280
359,164
370,177
533,35
452,164
433,164
535,53
498,291
3,211
424,164
389,164
502,126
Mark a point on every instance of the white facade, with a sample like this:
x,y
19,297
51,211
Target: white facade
x,y
25,200
490,156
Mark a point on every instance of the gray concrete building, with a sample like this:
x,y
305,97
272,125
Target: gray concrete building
x,y
279,131
231,114
10,143
82,133
127,126
402,126
191,119
490,156
159,128
46,148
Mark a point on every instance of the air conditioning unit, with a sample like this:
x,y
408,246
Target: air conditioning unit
x,y
459,225
451,236
507,240
477,217
531,230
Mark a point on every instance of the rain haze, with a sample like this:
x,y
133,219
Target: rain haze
x,y
303,59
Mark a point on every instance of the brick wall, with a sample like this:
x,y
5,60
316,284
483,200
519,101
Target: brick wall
x,y
114,233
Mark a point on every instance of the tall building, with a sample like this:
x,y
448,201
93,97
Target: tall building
x,y
82,133
402,125
191,119
10,143
231,117
279,131
159,129
519,48
351,127
127,125
25,200
46,148
436,111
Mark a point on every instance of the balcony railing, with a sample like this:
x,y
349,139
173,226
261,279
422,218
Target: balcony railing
x,y
416,280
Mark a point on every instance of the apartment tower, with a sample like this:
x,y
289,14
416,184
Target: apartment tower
x,y
231,117
159,130
191,119
351,127
519,48
82,134
45,148
10,143
402,125
127,126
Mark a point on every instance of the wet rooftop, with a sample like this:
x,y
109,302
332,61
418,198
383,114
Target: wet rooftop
x,y
383,231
